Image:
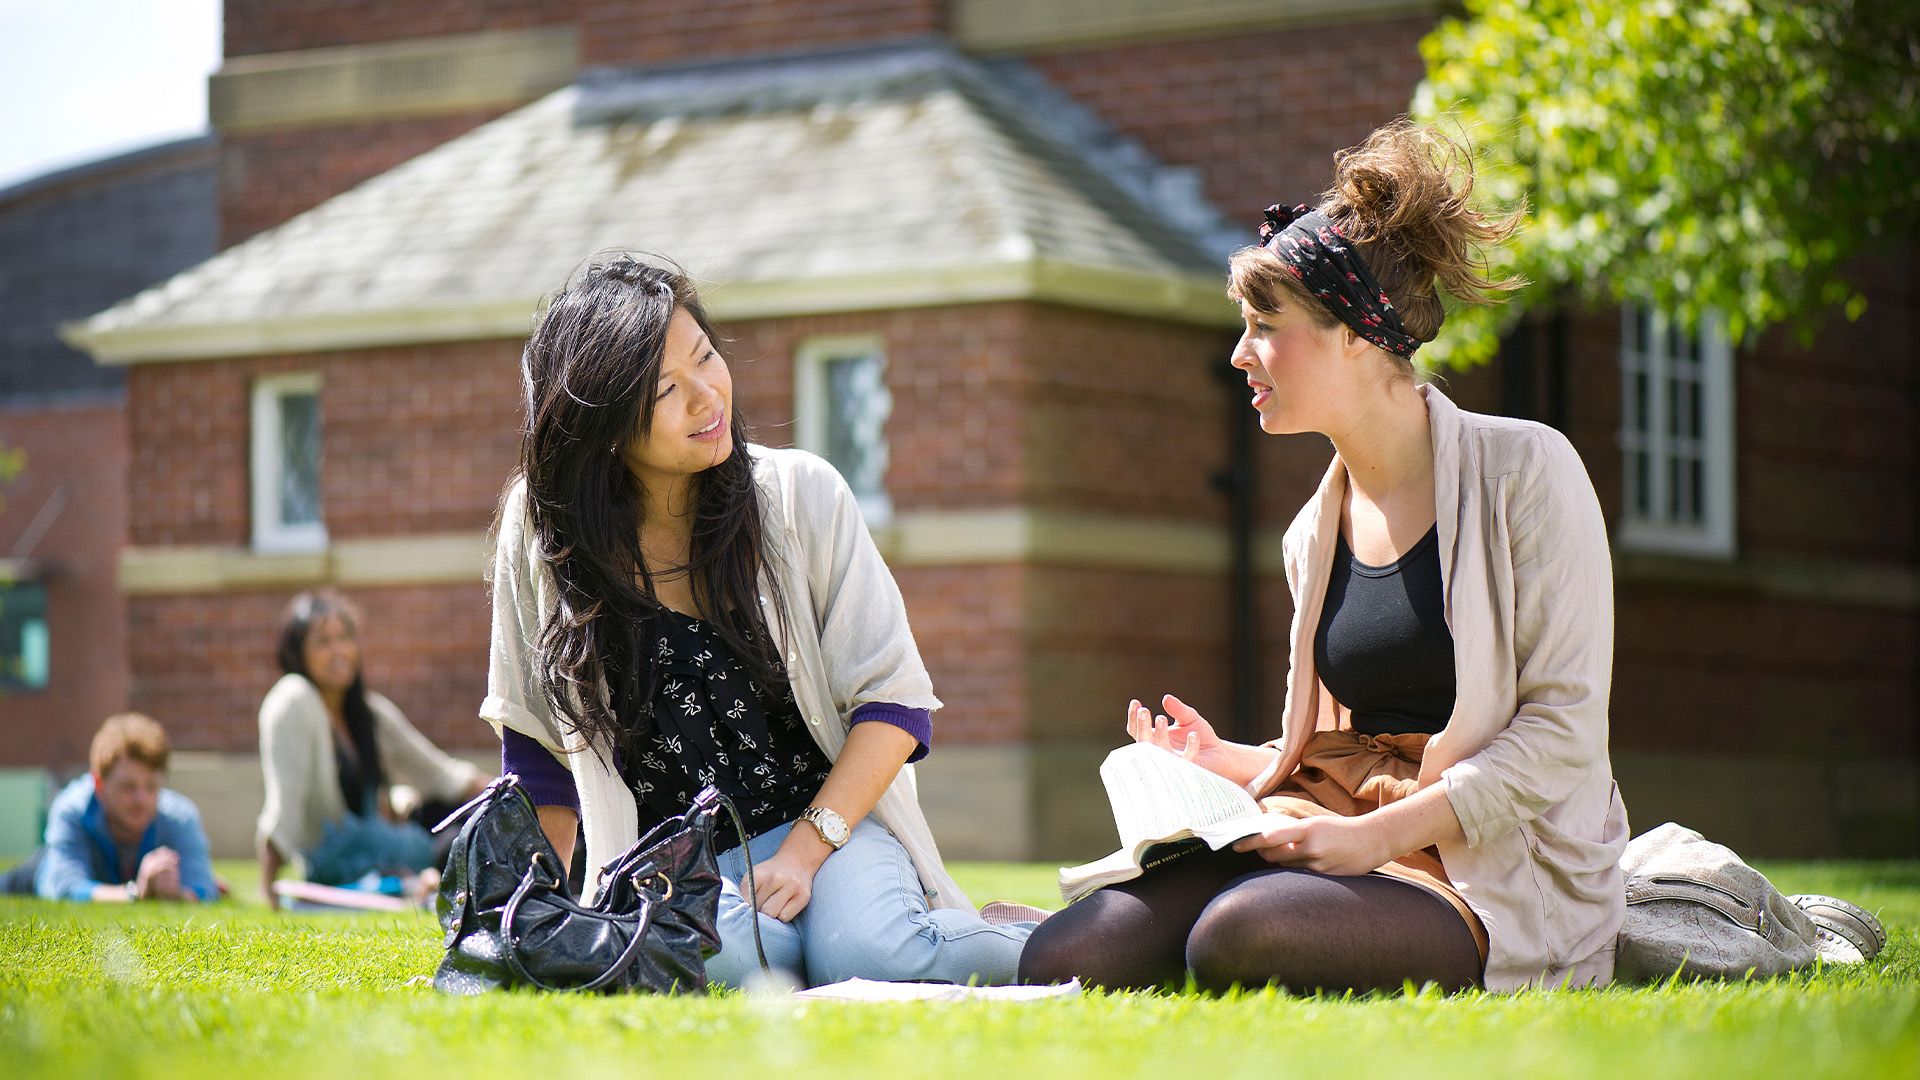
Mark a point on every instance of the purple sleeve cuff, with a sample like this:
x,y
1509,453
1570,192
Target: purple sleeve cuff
x,y
915,722
548,782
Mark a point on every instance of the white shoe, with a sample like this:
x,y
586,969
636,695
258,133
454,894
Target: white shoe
x,y
1849,934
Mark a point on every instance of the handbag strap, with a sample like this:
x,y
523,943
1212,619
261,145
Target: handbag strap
x,y
497,785
753,894
614,970
496,789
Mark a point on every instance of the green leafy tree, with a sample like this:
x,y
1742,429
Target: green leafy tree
x,y
1725,155
13,462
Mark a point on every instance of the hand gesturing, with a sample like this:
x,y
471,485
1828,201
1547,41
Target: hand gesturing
x,y
1182,731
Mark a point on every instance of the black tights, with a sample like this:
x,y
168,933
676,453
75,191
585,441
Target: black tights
x,y
1235,919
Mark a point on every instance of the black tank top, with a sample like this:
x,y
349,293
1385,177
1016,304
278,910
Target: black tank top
x,y
1383,648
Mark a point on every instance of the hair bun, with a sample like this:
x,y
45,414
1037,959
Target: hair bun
x,y
1409,190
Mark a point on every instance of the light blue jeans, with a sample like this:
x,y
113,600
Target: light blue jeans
x,y
358,845
868,918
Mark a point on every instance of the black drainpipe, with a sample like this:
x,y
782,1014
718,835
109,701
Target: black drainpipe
x,y
1236,483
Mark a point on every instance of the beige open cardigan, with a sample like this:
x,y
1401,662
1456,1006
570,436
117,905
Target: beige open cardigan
x,y
1529,598
844,636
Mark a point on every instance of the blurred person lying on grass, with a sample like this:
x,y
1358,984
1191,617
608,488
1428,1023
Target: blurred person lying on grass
x,y
115,834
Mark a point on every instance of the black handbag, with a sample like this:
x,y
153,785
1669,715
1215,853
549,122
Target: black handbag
x,y
511,919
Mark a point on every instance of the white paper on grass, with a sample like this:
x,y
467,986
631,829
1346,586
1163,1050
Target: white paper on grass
x,y
868,990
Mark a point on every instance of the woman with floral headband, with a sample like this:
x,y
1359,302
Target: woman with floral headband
x,y
1451,812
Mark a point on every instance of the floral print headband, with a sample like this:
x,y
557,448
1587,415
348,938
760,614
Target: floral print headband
x,y
1324,261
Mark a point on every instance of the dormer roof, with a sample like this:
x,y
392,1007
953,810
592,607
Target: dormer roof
x,y
882,178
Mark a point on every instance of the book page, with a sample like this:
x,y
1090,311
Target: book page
x,y
1156,794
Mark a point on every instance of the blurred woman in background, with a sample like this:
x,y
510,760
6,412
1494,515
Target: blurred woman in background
x,y
332,750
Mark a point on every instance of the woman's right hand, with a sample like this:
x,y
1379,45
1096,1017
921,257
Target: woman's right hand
x,y
270,863
1187,733
1182,730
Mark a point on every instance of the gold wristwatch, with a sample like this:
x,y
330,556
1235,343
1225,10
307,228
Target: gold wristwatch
x,y
828,823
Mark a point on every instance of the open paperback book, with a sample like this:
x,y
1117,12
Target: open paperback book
x,y
1163,806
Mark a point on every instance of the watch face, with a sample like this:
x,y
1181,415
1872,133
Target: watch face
x,y
833,827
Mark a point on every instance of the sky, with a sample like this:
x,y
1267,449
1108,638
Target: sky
x,y
85,79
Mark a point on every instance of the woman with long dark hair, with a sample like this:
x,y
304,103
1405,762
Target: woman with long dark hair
x,y
331,751
1444,748
675,608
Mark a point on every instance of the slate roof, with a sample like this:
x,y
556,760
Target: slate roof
x,y
75,240
876,178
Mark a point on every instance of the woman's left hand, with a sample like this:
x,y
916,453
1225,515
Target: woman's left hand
x,y
1326,844
868,762
784,881
1349,846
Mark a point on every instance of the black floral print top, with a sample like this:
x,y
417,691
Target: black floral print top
x,y
711,724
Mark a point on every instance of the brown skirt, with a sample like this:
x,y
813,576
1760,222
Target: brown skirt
x,y
1349,774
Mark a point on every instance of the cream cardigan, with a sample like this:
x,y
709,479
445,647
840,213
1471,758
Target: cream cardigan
x,y
1529,598
842,629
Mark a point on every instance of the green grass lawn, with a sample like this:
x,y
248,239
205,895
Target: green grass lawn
x,y
233,991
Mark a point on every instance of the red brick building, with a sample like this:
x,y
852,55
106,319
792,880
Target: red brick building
x,y
975,242
72,241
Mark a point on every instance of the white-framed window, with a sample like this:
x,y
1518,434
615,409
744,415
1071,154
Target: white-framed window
x,y
1676,436
840,406
285,456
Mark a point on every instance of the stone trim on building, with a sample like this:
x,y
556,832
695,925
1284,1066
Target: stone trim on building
x,y
1020,534
921,538
1190,298
1813,581
1014,25
963,538
270,337
415,77
450,559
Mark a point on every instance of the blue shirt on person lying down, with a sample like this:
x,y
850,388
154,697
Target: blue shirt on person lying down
x,y
81,853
